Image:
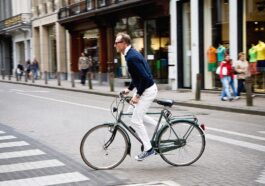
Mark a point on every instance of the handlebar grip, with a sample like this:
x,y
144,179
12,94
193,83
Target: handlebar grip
x,y
128,99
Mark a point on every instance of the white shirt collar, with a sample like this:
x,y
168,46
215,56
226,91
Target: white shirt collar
x,y
127,49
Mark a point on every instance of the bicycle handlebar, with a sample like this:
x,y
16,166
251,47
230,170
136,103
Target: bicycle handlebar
x,y
126,98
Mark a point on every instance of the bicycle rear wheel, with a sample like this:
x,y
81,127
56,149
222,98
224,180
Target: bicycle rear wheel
x,y
181,144
100,149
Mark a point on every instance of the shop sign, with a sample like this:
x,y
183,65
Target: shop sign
x,y
13,21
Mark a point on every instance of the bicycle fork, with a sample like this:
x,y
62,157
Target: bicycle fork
x,y
113,130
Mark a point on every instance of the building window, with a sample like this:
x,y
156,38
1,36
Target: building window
x,y
134,26
255,42
91,38
157,42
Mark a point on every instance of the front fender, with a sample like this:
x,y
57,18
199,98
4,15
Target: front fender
x,y
126,135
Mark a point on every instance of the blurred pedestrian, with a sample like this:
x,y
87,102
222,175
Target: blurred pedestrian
x,y
226,76
242,71
83,65
28,69
19,71
35,68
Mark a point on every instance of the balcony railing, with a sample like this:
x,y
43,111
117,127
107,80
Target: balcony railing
x,y
20,19
85,6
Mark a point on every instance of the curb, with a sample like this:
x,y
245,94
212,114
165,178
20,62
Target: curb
x,y
210,107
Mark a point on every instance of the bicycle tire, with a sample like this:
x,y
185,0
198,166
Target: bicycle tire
x,y
184,151
92,148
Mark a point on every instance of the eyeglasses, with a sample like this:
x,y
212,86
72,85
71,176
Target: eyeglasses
x,y
118,42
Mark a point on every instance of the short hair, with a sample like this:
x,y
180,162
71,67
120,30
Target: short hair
x,y
240,55
125,37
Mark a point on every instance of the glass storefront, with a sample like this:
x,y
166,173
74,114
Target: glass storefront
x,y
255,38
220,36
52,51
134,26
151,38
90,39
186,45
157,41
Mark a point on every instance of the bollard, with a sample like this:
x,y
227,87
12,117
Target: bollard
x,y
9,77
73,79
198,88
89,79
17,78
59,78
46,77
111,81
33,79
3,75
26,77
248,85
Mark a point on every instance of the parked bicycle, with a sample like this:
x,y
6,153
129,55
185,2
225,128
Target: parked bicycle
x,y
180,141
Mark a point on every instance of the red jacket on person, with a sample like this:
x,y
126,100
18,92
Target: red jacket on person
x,y
228,65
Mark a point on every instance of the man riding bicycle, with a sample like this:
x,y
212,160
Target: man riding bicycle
x,y
146,89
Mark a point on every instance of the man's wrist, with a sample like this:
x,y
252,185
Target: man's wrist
x,y
137,95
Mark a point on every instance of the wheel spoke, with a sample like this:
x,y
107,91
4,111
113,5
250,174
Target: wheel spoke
x,y
100,151
189,145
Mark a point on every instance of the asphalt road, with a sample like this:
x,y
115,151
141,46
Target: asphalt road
x,y
52,122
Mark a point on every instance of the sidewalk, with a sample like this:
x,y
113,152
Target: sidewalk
x,y
209,99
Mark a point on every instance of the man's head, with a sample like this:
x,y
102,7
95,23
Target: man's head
x,y
121,42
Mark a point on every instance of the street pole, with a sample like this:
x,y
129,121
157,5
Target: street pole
x,y
46,77
3,74
111,76
73,79
198,88
248,83
89,79
59,78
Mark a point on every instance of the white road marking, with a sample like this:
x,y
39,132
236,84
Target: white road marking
x,y
30,165
2,132
47,180
261,178
18,90
13,144
7,137
236,142
62,101
16,154
262,132
236,133
158,183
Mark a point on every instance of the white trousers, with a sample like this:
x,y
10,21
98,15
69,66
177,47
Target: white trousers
x,y
139,115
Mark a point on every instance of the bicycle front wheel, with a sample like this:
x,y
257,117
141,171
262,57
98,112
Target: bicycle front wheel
x,y
102,149
181,144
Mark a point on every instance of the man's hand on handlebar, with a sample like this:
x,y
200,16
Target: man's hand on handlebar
x,y
125,91
135,99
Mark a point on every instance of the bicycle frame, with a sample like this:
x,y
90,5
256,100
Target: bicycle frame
x,y
164,113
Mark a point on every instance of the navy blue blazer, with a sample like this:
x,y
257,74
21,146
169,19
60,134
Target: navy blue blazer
x,y
139,70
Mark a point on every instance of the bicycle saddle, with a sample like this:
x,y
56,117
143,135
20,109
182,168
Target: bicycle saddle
x,y
167,102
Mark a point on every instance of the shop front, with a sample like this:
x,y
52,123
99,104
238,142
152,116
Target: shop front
x,y
147,22
224,27
254,41
151,38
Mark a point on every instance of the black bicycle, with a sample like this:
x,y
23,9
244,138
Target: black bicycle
x,y
180,141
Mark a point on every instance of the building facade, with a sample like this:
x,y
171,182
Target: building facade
x,y
16,30
50,39
93,24
175,36
19,27
228,26
6,62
